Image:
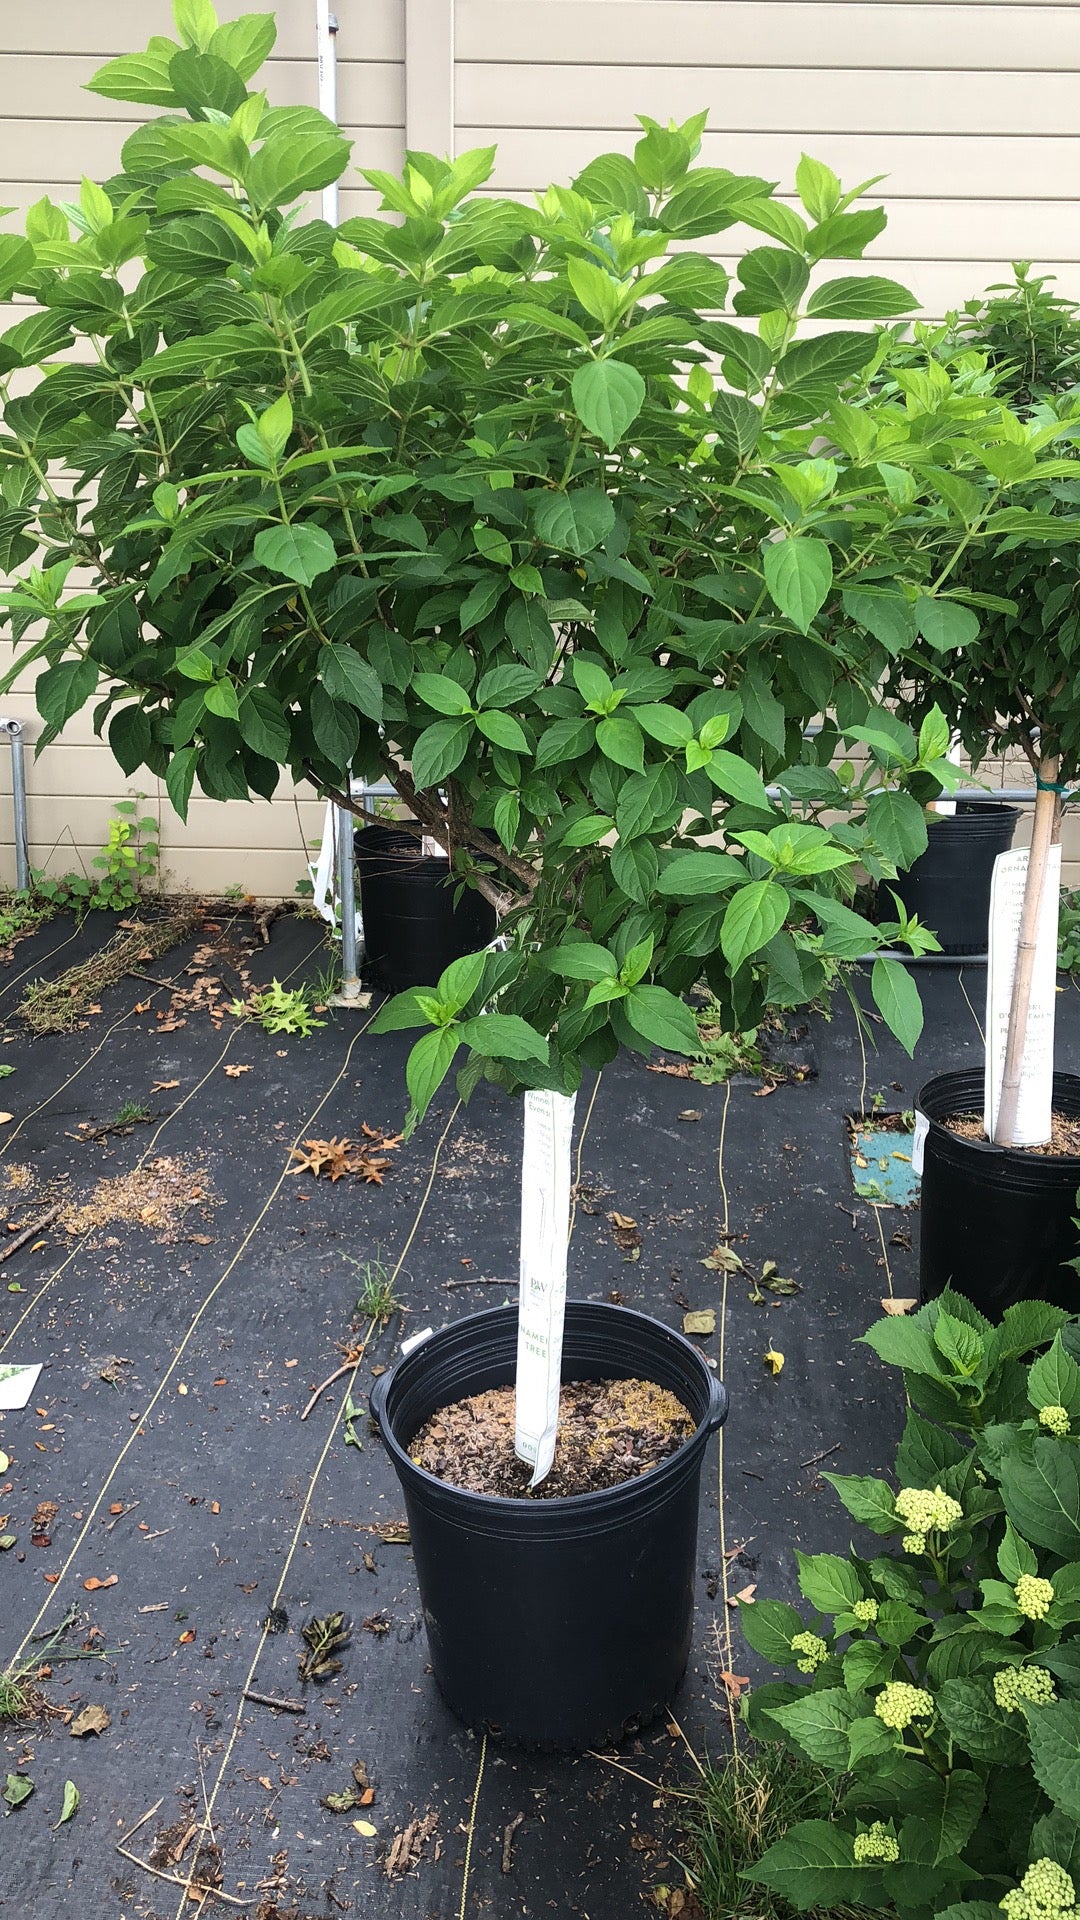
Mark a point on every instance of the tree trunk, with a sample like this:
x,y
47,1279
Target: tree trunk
x,y
1045,834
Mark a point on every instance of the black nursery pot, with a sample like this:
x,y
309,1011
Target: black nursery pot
x,y
565,1622
948,886
412,926
997,1223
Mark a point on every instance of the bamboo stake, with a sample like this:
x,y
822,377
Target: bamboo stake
x,y
1045,834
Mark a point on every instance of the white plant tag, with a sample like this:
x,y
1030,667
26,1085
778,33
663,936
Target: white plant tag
x,y
16,1385
1033,1114
545,1226
918,1143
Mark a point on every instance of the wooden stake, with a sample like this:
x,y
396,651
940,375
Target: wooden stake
x,y
1045,834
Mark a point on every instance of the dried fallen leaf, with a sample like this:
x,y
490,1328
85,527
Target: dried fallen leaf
x,y
5,1117
365,1827
94,1585
92,1719
723,1260
116,1506
703,1321
215,1506
773,1360
734,1683
4,1462
745,1594
235,1072
164,1086
624,1221
898,1306
690,1113
142,1006
187,1637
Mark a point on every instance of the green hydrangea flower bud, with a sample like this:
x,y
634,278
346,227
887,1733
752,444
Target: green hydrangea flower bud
x,y
866,1611
927,1511
1034,1597
898,1704
813,1650
914,1543
1055,1420
877,1843
1014,1685
1045,1892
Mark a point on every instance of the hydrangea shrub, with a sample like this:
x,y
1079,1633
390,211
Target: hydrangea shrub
x,y
942,1672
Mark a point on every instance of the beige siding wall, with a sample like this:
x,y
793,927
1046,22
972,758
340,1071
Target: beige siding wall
x,y
970,109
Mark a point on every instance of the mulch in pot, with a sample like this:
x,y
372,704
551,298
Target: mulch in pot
x,y
1064,1138
609,1431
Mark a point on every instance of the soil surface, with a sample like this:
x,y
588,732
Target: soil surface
x,y
609,1431
1064,1141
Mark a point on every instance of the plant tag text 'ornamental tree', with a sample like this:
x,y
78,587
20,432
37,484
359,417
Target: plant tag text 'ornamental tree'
x,y
523,508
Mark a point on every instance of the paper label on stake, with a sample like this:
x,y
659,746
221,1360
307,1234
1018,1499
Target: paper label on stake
x,y
918,1143
1033,1114
545,1225
17,1383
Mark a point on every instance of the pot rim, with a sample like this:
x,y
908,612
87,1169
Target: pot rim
x,y
1024,1156
561,1505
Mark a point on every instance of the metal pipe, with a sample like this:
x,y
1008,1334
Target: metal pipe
x,y
14,731
346,878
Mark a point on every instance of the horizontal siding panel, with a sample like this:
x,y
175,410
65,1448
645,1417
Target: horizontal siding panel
x,y
773,33
367,29
44,152
823,101
918,166
266,826
370,92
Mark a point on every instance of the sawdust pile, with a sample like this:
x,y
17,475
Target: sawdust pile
x,y
159,1195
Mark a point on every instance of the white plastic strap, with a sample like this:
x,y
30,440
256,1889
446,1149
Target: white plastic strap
x,y
1034,1111
918,1143
326,898
545,1226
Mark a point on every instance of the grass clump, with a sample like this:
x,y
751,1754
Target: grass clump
x,y
740,1807
376,1299
14,1699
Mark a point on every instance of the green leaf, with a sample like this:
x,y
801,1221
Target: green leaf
x,y
482,600
897,998
428,1065
897,825
460,980
574,522
944,623
61,690
817,187
506,686
263,726
737,778
347,676
691,875
798,574
829,1583
1023,1327
979,1726
926,1452
599,294
619,739
202,80
588,830
299,552
142,77
1054,1380
244,43
290,164
773,281
439,750
902,1342
769,1627
667,724
814,1866
581,960
404,1010
867,1500
196,22
503,730
888,616
70,1805
950,1805
504,1036
826,360
737,422
608,396
819,1723
855,298
1041,1492
439,691
611,182
17,1790
753,916
708,200
179,778
662,1018
1015,1557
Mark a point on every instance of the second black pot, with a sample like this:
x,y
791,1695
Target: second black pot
x,y
413,927
565,1622
948,886
998,1224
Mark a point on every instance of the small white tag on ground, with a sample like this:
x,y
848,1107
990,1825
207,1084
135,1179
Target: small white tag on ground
x,y
918,1143
16,1386
545,1226
1033,1115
